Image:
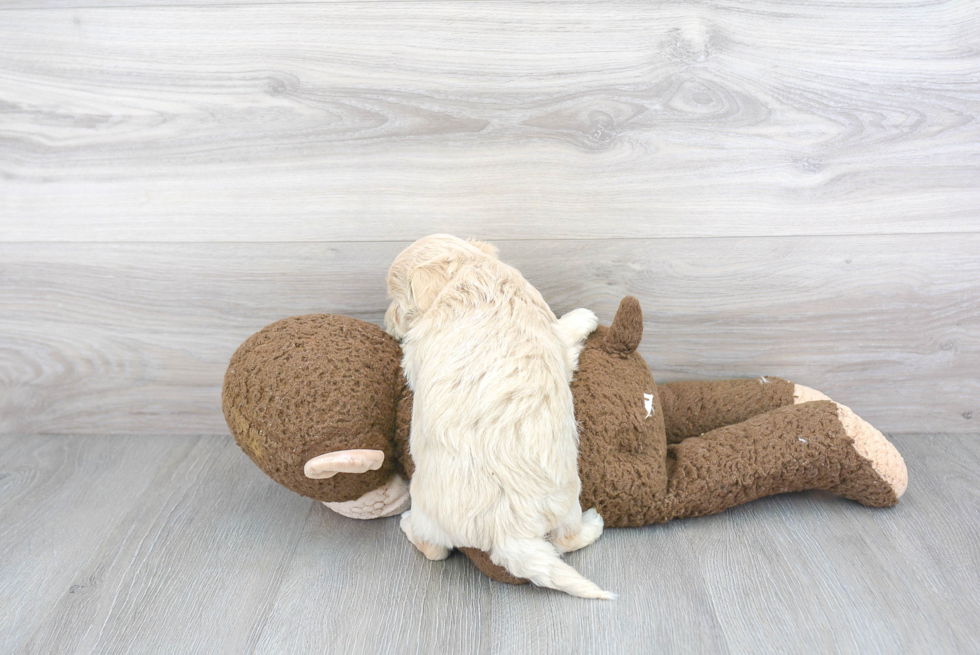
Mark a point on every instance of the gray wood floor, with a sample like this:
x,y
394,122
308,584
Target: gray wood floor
x,y
178,544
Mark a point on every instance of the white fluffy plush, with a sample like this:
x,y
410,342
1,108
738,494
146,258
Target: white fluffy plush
x,y
494,438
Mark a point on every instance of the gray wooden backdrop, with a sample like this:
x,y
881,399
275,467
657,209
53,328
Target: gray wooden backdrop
x,y
790,188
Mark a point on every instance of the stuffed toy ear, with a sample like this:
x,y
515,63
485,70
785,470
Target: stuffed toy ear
x,y
626,330
428,279
328,465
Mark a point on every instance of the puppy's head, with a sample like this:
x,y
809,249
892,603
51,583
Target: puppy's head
x,y
421,271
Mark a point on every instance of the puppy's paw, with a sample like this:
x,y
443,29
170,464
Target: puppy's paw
x,y
592,525
591,529
432,551
579,324
573,329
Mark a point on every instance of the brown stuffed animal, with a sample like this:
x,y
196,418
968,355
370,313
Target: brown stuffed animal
x,y
320,404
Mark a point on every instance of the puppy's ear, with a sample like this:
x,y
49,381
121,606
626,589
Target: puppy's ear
x,y
428,279
488,248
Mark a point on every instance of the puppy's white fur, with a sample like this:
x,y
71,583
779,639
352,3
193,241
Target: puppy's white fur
x,y
494,437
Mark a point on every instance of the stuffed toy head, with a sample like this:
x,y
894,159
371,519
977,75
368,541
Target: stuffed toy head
x,y
328,387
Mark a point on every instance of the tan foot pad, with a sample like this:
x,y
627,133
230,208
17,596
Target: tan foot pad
x,y
389,499
872,445
803,394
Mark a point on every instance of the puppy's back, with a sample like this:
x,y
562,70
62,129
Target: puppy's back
x,y
494,437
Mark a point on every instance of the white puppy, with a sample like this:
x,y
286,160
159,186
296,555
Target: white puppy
x,y
494,438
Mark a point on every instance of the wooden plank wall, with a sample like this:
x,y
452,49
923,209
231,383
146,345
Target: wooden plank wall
x,y
790,188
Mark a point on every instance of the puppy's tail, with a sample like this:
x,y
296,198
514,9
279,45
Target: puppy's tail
x,y
538,561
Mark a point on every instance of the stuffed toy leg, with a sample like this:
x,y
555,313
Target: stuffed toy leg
x,y
693,408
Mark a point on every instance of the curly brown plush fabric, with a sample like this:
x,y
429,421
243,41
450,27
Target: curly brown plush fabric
x,y
482,561
308,385
622,446
403,425
693,408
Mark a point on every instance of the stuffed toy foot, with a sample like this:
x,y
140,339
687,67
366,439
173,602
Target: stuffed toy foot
x,y
887,475
390,499
814,445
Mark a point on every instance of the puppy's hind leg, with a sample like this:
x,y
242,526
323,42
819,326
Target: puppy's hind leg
x,y
413,524
578,530
573,329
538,561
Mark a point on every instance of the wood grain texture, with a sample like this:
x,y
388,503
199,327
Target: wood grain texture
x,y
949,477
205,554
196,561
452,608
800,574
59,498
130,338
389,120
